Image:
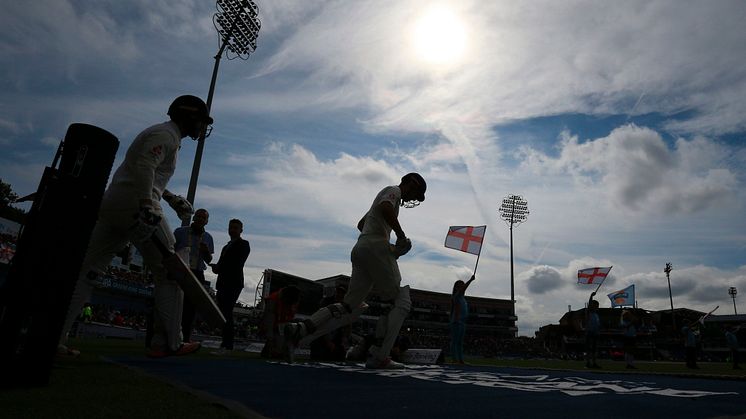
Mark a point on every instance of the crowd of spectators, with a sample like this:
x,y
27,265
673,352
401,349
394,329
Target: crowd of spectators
x,y
104,314
7,247
429,306
129,276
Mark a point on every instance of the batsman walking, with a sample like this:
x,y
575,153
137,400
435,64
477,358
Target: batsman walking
x,y
374,268
131,212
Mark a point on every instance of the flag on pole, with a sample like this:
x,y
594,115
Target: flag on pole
x,y
702,319
625,297
592,275
466,238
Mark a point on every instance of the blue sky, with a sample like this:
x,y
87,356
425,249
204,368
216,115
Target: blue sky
x,y
621,123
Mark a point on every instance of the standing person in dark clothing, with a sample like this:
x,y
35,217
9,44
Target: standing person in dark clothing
x,y
690,345
592,331
731,339
229,269
279,307
457,323
630,338
195,246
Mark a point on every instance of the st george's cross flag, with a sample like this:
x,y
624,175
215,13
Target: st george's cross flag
x,y
466,238
592,275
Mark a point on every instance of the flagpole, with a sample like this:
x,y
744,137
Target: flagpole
x,y
477,264
480,250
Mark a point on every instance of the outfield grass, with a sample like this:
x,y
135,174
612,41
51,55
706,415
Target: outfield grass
x,y
91,387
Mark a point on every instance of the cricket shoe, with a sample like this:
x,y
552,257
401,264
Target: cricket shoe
x,y
387,363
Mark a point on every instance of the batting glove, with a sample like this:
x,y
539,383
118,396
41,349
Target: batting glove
x,y
183,208
402,246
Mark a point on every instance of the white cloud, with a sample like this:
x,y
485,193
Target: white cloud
x,y
635,170
542,279
697,286
50,141
530,60
295,183
96,33
10,126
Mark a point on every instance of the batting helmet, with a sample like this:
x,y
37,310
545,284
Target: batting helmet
x,y
191,107
419,181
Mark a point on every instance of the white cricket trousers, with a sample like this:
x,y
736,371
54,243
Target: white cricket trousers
x,y
110,235
374,268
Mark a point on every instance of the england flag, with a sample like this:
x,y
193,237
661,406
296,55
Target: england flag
x,y
466,238
592,275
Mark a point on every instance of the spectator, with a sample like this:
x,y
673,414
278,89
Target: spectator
x,y
279,307
195,246
630,338
592,331
229,269
457,322
117,319
87,313
732,341
690,345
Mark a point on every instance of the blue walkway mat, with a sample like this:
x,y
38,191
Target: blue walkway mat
x,y
329,390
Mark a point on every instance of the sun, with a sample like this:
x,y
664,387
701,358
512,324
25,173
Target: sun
x,y
439,36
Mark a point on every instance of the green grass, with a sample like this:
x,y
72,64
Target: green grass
x,y
91,387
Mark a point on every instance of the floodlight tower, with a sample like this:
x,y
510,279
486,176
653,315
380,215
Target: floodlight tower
x,y
514,210
237,23
668,270
732,292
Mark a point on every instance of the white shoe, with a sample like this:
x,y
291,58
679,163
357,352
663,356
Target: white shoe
x,y
387,363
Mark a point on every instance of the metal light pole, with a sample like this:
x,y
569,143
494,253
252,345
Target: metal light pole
x,y
514,210
668,270
237,23
732,292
